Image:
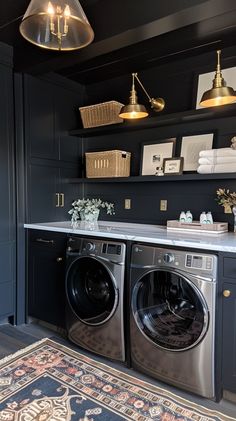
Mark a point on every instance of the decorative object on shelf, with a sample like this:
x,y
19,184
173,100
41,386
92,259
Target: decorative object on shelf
x,y
88,210
153,153
227,199
159,172
191,146
107,164
220,93
134,110
222,160
173,166
101,114
56,25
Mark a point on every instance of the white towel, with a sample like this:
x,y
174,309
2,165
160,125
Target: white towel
x,y
217,160
218,168
217,152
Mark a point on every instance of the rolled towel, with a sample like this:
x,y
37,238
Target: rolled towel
x,y
218,168
217,152
217,160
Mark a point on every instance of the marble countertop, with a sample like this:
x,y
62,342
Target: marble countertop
x,y
155,234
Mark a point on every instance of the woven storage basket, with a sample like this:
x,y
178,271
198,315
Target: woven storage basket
x,y
101,114
107,164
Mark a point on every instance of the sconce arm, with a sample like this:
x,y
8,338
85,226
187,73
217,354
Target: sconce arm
x,y
135,75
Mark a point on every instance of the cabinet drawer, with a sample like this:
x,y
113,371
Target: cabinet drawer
x,y
48,239
229,268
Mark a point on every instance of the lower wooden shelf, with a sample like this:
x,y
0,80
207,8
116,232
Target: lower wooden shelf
x,y
156,179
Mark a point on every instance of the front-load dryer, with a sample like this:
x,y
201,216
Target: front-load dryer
x,y
94,291
172,321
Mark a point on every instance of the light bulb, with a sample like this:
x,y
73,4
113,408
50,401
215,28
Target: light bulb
x,y
67,11
50,9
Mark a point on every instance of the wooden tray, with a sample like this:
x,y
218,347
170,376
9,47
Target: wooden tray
x,y
195,226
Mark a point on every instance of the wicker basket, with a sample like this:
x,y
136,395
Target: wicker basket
x,y
101,114
107,164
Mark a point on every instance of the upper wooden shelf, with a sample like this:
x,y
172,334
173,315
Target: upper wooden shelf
x,y
159,120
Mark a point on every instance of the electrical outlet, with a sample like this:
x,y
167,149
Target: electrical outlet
x,y
163,205
127,203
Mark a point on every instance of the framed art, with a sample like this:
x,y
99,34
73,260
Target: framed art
x,y
173,166
190,148
153,154
205,82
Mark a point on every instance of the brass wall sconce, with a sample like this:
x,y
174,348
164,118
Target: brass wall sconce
x,y
134,110
56,25
220,93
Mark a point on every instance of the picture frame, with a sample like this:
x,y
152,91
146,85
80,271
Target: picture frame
x,y
153,154
191,146
204,82
173,166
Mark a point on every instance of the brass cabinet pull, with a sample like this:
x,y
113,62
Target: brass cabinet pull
x,y
59,259
41,240
62,200
58,200
226,293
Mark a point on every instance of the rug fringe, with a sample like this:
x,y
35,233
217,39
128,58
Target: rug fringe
x,y
22,351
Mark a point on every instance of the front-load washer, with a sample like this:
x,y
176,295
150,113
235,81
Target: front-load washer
x,y
94,291
172,321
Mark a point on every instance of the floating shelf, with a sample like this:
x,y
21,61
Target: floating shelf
x,y
156,179
160,120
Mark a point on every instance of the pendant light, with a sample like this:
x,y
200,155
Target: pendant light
x,y
220,93
134,110
56,25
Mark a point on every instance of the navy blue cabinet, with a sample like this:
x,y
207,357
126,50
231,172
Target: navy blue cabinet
x,y
7,208
53,156
46,276
228,297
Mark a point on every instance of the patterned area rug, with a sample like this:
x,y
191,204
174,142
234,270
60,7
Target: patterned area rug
x,y
49,382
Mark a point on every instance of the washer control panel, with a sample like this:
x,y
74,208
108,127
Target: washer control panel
x,y
197,261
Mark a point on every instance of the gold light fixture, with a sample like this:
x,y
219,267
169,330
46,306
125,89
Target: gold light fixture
x,y
220,93
56,25
134,110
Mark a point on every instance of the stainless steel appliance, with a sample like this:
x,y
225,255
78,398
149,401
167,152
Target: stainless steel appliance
x,y
94,290
172,323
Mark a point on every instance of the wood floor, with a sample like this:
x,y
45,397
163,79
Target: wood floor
x,y
13,338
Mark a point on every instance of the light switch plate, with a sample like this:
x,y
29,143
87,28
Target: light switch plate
x,y
163,205
127,203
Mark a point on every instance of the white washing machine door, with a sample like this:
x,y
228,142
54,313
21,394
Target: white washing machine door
x,y
91,291
169,310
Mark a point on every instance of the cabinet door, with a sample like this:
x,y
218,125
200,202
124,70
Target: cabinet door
x,y
66,112
7,214
39,115
46,274
69,191
42,193
229,338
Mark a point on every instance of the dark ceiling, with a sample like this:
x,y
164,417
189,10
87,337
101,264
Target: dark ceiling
x,y
129,35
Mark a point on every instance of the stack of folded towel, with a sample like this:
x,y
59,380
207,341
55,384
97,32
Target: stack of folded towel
x,y
217,161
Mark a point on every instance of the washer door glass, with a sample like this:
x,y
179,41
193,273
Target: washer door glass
x,y
169,310
90,291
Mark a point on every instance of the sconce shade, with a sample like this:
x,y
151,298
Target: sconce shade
x,y
134,110
220,93
56,25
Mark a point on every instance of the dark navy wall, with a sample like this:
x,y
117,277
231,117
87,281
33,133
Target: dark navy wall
x,y
178,85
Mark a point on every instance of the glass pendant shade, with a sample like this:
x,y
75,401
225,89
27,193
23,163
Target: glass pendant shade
x,y
56,25
220,93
